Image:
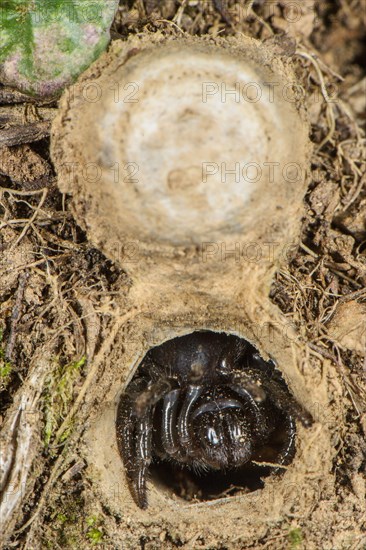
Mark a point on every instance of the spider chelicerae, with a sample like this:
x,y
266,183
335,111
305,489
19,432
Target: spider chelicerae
x,y
208,402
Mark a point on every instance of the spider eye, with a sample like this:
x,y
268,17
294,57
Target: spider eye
x,y
223,434
211,440
235,431
212,436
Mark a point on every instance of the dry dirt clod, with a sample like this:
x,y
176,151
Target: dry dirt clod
x,y
24,166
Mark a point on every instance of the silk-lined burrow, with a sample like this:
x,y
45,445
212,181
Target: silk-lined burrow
x,y
202,408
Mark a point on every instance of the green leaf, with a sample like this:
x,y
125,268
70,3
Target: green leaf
x,y
46,44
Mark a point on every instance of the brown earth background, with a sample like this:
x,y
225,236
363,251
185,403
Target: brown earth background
x,y
66,314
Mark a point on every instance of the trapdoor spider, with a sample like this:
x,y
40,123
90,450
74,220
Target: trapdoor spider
x,y
207,401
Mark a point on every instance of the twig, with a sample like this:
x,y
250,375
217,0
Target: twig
x,y
329,265
61,460
221,7
315,64
327,99
178,16
9,95
25,114
20,193
250,10
93,370
16,135
352,296
31,220
170,23
16,315
351,388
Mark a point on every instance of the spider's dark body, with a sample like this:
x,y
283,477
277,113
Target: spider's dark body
x,y
207,401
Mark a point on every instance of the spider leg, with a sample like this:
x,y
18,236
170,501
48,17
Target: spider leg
x,y
284,401
287,453
250,384
127,423
169,422
134,433
143,448
262,427
193,393
231,358
151,395
273,385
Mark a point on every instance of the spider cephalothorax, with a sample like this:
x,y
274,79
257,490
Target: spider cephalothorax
x,y
207,401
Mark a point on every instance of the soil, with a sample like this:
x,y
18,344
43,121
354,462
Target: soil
x,y
75,322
